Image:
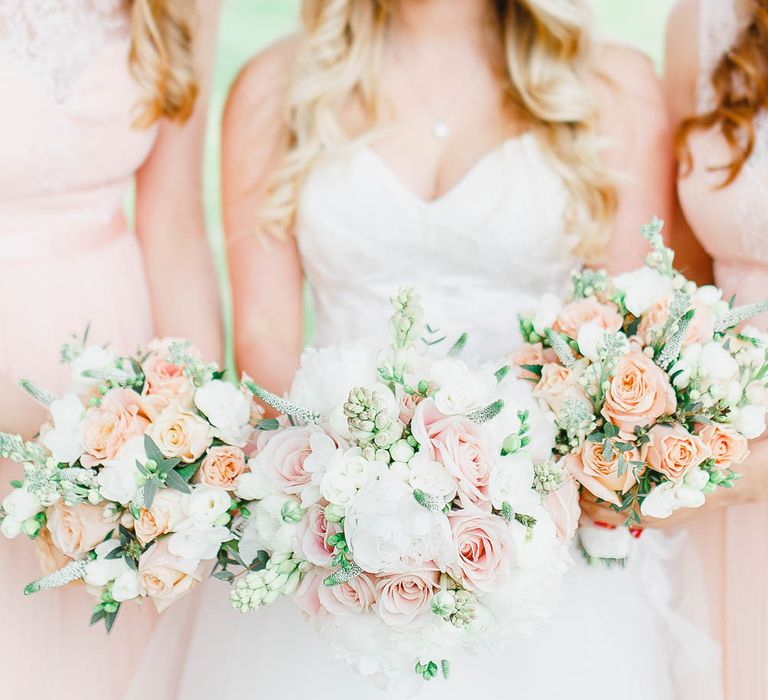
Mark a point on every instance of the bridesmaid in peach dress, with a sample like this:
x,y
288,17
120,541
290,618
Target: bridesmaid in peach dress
x,y
717,84
91,90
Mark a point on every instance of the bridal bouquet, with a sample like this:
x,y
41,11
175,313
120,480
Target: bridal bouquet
x,y
655,392
129,484
406,502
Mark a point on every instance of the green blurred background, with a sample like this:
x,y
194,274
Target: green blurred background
x,y
249,25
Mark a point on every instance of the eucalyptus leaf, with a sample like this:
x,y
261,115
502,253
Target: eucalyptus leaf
x,y
227,576
150,491
268,424
152,450
174,481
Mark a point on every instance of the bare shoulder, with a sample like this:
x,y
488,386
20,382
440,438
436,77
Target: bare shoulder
x,y
261,86
681,57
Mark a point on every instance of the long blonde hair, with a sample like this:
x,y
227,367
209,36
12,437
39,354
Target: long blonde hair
x,y
162,60
740,85
547,48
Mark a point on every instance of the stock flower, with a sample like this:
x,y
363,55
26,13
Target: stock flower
x,y
228,409
511,482
118,480
64,439
93,357
206,504
101,571
193,541
642,289
19,505
266,529
750,421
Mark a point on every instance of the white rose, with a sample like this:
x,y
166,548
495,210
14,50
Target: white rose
x,y
750,421
93,357
547,312
460,389
431,477
126,585
119,479
717,363
590,338
191,541
64,439
387,530
511,481
228,410
643,288
206,504
267,530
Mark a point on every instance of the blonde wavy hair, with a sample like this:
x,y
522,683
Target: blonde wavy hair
x,y
740,84
161,59
547,47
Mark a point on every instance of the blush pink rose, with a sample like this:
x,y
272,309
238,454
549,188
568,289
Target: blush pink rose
x,y
221,467
460,446
673,451
726,446
574,315
165,383
700,330
164,577
530,354
285,453
482,549
639,393
557,385
109,426
349,598
564,509
307,595
314,544
166,513
180,433
77,529
403,598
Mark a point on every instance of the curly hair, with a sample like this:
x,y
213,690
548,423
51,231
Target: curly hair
x,y
740,84
161,59
547,47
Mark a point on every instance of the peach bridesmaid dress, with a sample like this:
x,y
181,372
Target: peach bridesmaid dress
x,y
67,259
732,225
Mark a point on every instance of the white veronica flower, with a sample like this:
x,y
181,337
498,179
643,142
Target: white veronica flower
x,y
64,439
119,478
643,288
19,505
459,388
228,410
387,530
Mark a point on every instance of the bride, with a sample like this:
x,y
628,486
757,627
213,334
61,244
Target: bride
x,y
479,150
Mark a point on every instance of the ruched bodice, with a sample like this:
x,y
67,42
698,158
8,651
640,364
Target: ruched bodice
x,y
479,254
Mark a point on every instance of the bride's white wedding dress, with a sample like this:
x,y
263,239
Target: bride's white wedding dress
x,y
478,255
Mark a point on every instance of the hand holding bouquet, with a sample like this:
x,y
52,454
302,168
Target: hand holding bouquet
x,y
655,392
129,485
403,504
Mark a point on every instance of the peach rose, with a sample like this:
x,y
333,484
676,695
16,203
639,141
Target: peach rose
x,y
109,426
700,330
639,393
165,383
402,598
673,451
180,433
530,354
165,578
77,529
557,385
354,596
726,446
460,446
221,467
314,544
577,313
564,509
48,556
482,549
166,513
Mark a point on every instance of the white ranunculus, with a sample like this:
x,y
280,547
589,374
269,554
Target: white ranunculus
x,y
347,473
387,530
459,388
547,312
93,357
511,481
119,478
206,504
750,421
643,288
227,409
431,477
590,338
64,439
267,530
191,541
717,363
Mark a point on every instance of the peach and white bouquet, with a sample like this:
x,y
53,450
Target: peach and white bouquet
x,y
655,392
129,486
408,503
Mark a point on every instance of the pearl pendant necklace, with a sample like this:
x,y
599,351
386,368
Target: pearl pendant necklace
x,y
441,130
